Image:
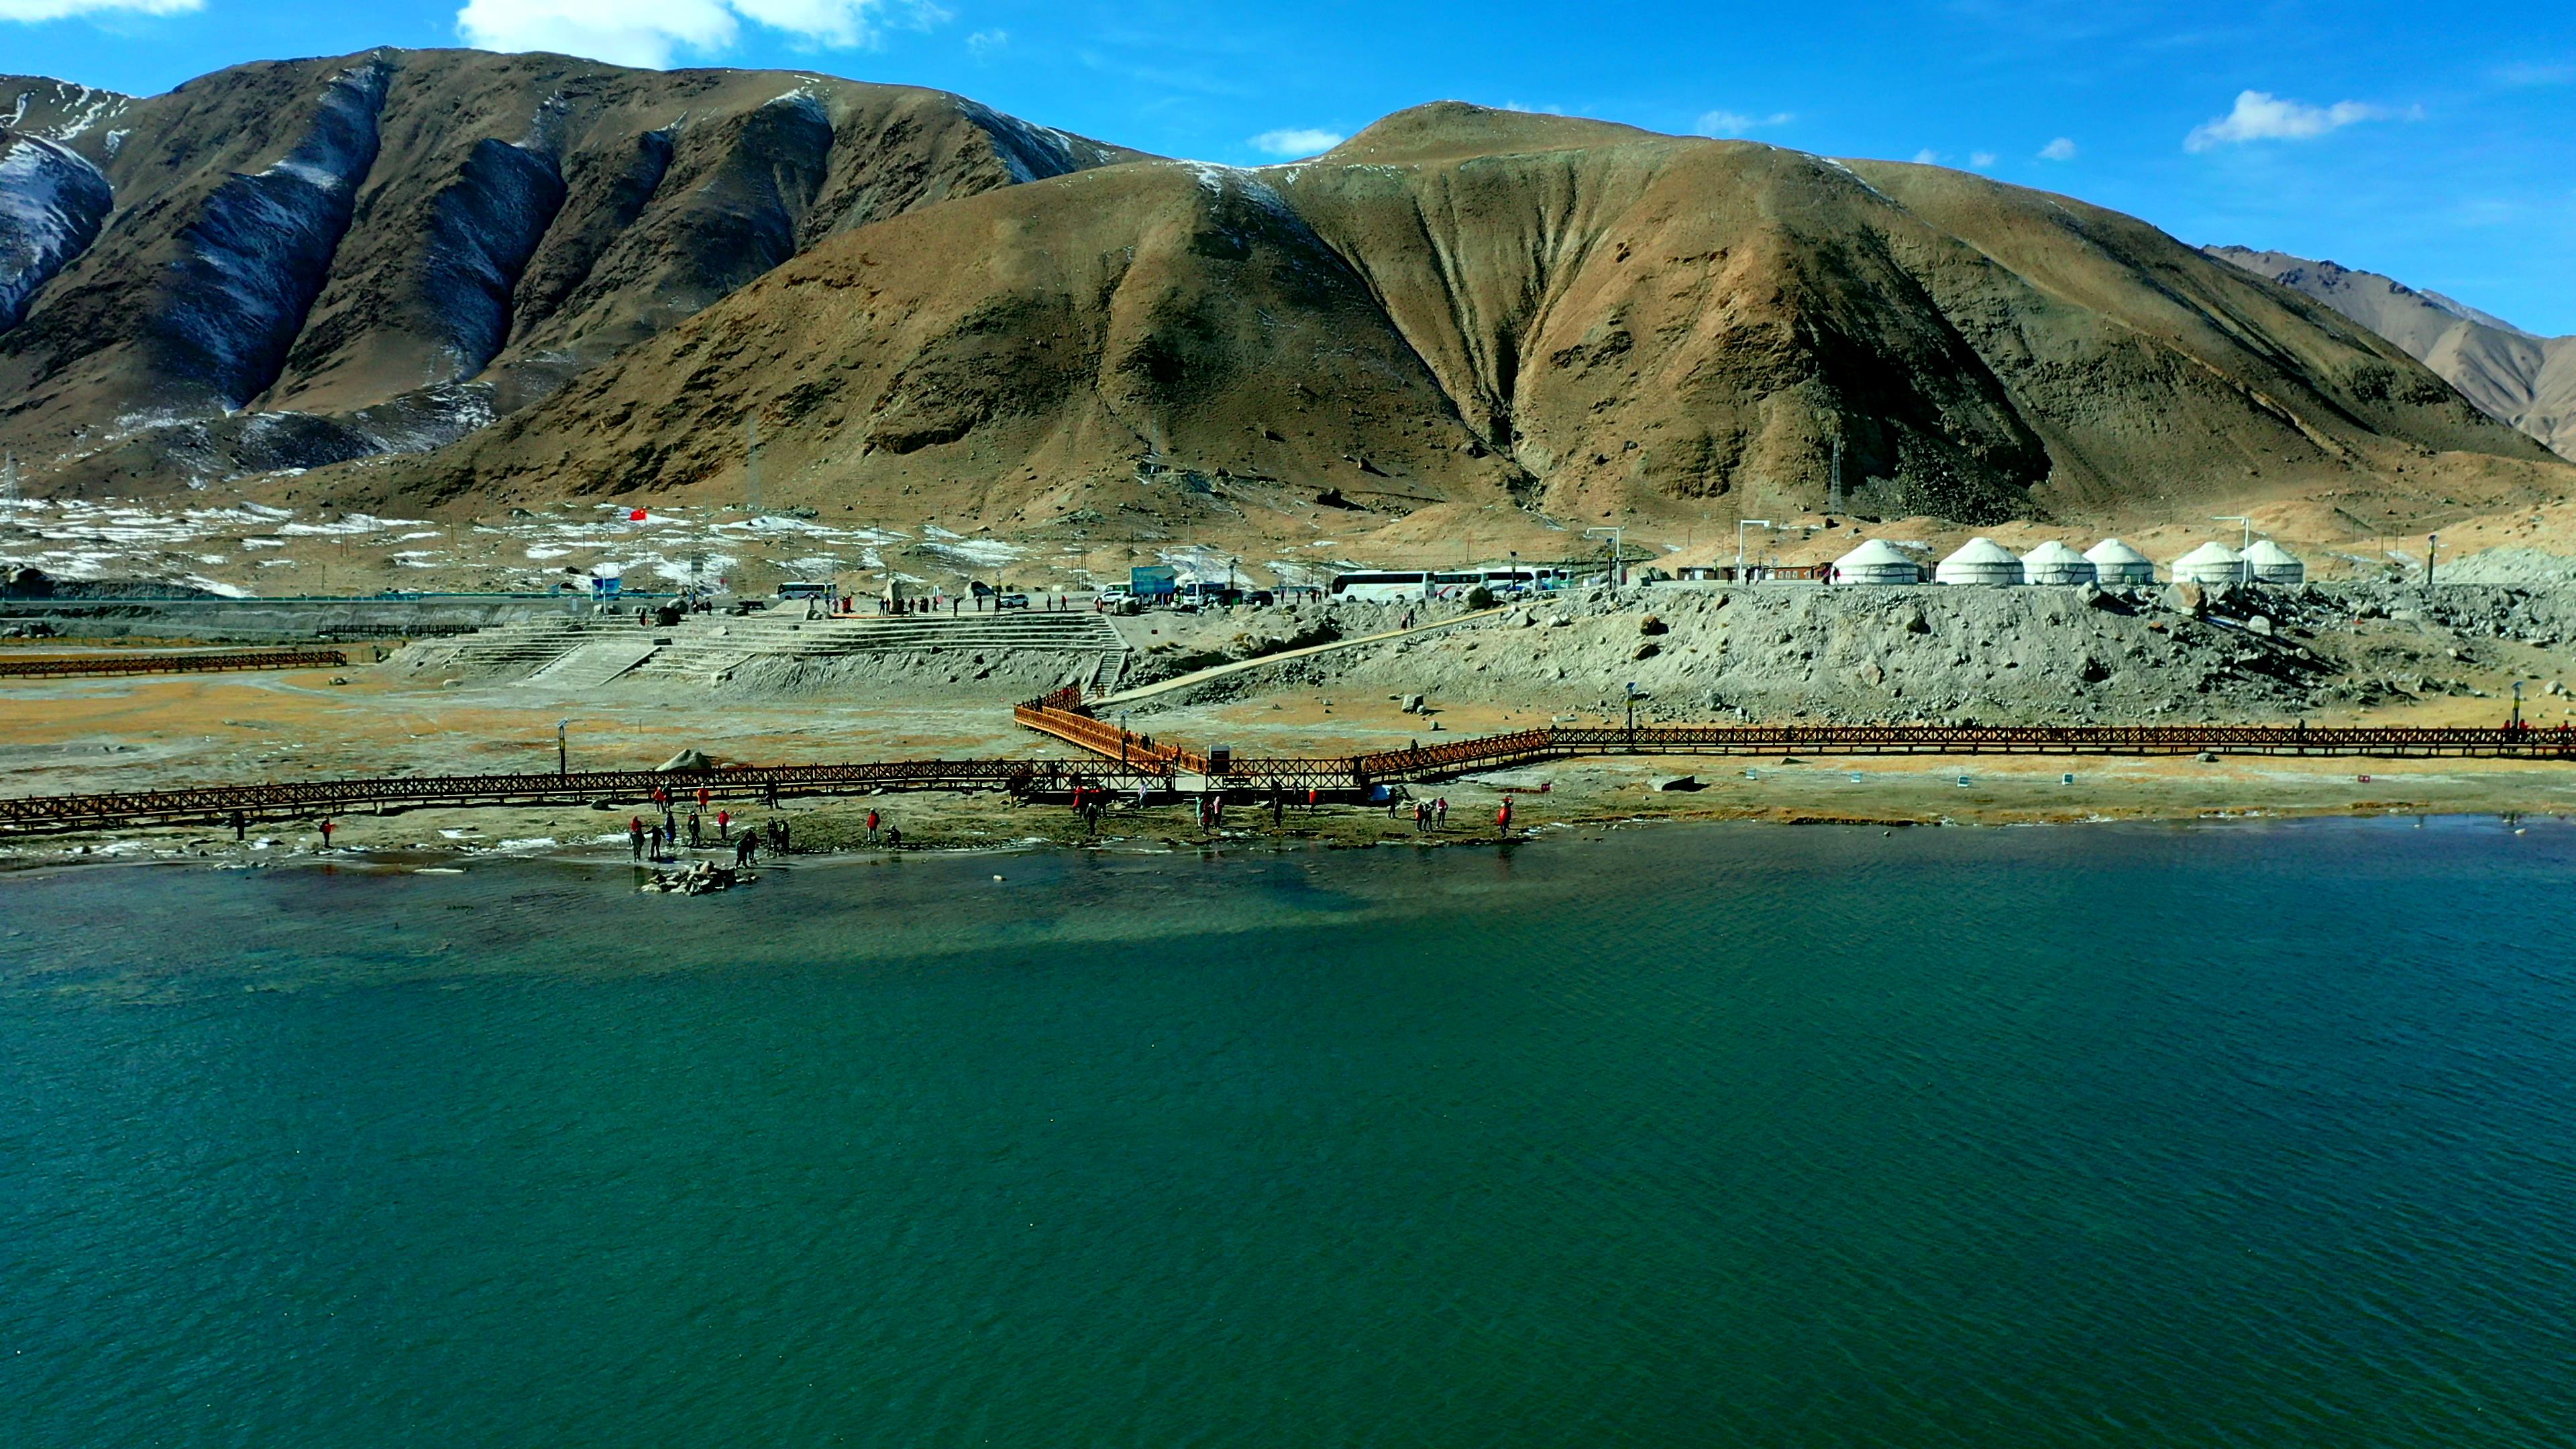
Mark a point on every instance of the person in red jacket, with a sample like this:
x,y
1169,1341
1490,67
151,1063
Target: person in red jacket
x,y
1503,817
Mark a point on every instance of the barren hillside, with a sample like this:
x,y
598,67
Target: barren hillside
x,y
2523,380
296,263
1473,307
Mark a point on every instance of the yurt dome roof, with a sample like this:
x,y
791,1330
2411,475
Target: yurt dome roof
x,y
1876,553
2113,551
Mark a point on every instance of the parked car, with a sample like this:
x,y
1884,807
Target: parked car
x,y
1010,601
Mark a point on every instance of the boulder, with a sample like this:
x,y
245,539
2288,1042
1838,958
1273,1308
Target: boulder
x,y
686,762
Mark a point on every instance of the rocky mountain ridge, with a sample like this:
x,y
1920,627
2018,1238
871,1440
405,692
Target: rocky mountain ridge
x,y
2517,377
297,263
458,279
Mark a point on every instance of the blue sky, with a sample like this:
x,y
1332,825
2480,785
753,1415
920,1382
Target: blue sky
x,y
2398,137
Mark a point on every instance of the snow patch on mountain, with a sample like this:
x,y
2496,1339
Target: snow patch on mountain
x,y
257,255
1032,152
483,231
52,203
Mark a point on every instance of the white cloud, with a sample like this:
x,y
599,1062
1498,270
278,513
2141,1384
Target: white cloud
x,y
983,43
1737,123
2261,116
1982,160
652,32
2060,149
1296,141
33,10
1927,157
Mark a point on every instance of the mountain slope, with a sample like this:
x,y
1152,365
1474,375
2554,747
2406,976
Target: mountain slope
x,y
2528,382
313,260
1485,308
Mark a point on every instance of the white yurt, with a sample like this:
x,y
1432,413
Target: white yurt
x,y
2115,562
2054,563
2272,564
1979,561
1877,562
2211,563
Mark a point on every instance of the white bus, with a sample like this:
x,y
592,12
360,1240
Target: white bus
x,y
1449,584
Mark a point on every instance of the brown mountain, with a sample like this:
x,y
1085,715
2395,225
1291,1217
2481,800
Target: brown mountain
x,y
1472,306
294,263
584,281
2526,381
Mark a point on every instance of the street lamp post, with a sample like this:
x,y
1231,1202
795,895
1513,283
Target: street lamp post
x,y
1742,524
2432,547
563,765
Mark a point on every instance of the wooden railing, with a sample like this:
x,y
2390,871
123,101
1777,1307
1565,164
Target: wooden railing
x,y
74,666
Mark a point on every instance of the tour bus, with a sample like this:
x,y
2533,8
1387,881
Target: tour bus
x,y
805,589
1431,584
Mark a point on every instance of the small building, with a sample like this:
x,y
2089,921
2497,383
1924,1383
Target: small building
x,y
1979,561
1876,562
2115,562
2054,563
2269,563
2211,563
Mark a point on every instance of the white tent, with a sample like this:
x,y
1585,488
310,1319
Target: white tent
x,y
2211,563
2272,564
1876,562
1979,561
2054,563
2115,562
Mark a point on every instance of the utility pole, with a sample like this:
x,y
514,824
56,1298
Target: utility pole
x,y
562,761
2432,546
751,463
1742,524
2517,706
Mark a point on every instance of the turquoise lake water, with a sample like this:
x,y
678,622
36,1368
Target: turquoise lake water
x,y
2254,1135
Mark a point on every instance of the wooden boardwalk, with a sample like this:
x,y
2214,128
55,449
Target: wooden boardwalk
x,y
112,662
1119,760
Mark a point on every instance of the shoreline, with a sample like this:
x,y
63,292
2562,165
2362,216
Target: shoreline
x,y
950,827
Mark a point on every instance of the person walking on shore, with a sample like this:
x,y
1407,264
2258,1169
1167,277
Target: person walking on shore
x,y
635,837
724,825
872,827
1440,813
326,833
694,831
1503,818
